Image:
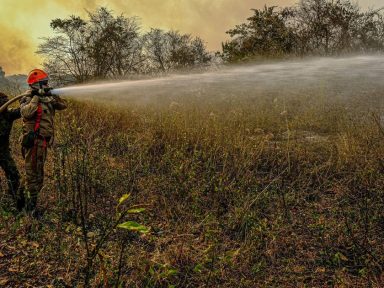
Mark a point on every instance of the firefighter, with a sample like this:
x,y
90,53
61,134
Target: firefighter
x,y
6,161
37,110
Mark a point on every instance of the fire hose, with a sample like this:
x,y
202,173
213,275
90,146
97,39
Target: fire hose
x,y
45,91
9,102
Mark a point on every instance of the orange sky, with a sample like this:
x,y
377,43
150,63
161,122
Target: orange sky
x,y
23,23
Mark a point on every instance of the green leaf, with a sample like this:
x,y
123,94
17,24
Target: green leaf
x,y
151,271
198,268
123,198
172,272
136,210
133,226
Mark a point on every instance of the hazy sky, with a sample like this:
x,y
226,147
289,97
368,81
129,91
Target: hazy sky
x,y
23,22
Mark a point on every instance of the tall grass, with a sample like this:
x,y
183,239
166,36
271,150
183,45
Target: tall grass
x,y
267,191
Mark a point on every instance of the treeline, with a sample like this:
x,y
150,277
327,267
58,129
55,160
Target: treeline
x,y
105,46
312,27
11,84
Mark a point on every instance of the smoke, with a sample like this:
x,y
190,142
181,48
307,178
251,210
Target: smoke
x,y
208,19
23,23
15,51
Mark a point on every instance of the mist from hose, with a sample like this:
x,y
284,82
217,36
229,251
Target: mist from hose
x,y
335,77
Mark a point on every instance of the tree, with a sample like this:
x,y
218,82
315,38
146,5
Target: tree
x,y
2,73
106,46
157,50
265,34
114,47
66,54
313,27
326,27
101,47
369,36
173,50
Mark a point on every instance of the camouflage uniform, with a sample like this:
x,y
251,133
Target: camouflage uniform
x,y
6,161
35,157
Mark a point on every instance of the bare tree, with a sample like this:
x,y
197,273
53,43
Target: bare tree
x,y
327,26
67,51
157,50
173,50
104,46
115,47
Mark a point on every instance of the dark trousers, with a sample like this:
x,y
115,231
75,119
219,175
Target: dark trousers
x,y
10,169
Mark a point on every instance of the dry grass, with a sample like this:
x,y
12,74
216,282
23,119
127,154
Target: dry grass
x,y
270,191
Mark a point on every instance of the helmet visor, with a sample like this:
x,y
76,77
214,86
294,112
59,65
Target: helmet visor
x,y
41,84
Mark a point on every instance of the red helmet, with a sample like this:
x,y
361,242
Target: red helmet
x,y
36,75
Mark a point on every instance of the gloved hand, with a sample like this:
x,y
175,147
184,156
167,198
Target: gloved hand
x,y
47,91
42,92
35,92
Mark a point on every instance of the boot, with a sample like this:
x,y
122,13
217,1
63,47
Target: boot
x,y
30,205
20,203
20,199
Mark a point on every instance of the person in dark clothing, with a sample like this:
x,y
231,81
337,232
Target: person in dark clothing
x,y
6,161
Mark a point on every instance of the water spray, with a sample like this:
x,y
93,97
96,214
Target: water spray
x,y
341,74
335,77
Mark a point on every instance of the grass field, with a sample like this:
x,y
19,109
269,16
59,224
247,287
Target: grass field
x,y
276,189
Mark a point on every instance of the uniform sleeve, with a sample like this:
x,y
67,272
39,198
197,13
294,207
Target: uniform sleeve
x,y
14,114
29,107
59,103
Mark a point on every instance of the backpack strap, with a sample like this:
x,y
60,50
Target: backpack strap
x,y
39,114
